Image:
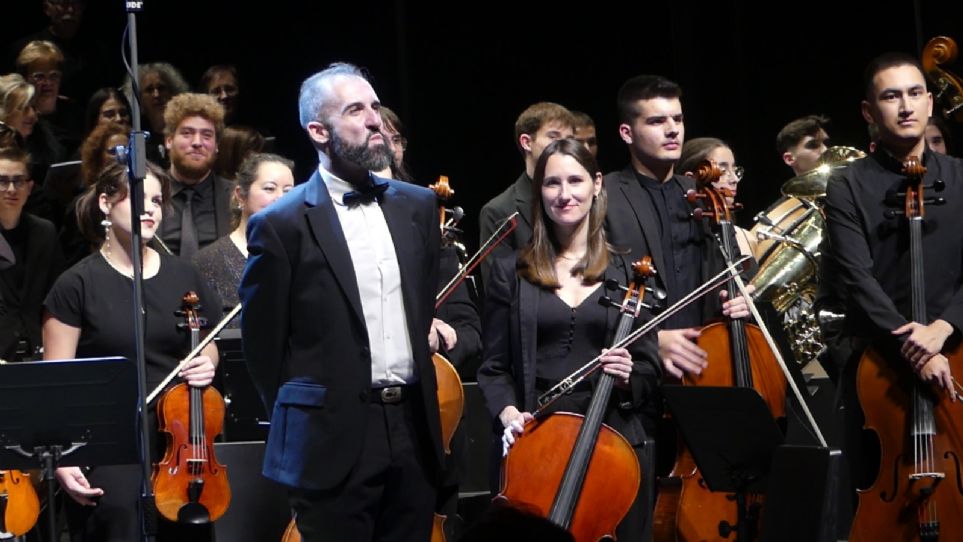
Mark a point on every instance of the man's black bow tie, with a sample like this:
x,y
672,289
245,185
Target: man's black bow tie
x,y
367,194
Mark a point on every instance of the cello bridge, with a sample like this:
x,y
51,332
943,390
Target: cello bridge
x,y
927,475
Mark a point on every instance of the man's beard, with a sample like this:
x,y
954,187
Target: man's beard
x,y
190,169
374,158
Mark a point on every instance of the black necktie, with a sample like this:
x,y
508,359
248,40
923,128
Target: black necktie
x,y
364,195
189,244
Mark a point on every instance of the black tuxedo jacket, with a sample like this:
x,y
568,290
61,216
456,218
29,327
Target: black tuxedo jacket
x,y
305,338
517,197
510,326
21,309
632,223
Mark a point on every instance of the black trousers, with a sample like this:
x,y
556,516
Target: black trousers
x,y
390,494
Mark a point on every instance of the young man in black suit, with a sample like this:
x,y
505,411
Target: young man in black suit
x,y
535,129
649,215
338,299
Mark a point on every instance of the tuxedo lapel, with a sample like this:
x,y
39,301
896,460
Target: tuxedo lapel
x,y
326,228
646,215
523,199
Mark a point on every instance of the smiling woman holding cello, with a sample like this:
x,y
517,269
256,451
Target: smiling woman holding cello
x,y
543,318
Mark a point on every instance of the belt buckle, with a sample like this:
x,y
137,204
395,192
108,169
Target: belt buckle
x,y
391,394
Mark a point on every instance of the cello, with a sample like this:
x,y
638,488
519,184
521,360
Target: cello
x,y
190,485
738,355
19,505
918,492
572,469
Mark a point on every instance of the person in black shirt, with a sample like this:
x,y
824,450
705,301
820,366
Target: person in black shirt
x,y
866,255
36,260
88,314
542,318
649,215
193,124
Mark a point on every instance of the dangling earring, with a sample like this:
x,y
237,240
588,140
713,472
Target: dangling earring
x,y
106,223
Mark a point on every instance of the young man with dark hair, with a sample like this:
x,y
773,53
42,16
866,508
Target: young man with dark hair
x,y
867,250
535,129
585,132
802,142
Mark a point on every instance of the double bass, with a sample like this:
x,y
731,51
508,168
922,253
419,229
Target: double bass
x,y
738,355
190,486
918,492
572,469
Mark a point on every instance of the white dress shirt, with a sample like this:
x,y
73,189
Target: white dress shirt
x,y
379,284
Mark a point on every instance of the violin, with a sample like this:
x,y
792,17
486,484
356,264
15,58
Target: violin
x,y
19,505
948,86
572,469
190,485
918,492
738,355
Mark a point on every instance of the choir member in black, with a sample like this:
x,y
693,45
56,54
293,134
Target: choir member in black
x,y
37,260
867,260
88,314
261,180
542,317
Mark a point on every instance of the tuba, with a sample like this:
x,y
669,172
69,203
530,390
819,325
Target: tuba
x,y
789,235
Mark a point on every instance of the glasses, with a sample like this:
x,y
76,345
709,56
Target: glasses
x,y
738,171
43,77
17,181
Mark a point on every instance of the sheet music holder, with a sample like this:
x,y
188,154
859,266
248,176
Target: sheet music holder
x,y
68,413
732,437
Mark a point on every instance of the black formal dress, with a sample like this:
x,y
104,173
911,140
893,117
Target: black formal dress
x,y
533,339
222,264
96,298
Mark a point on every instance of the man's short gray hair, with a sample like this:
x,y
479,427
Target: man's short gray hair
x,y
314,90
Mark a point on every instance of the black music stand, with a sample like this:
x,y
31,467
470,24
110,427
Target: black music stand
x,y
68,413
732,437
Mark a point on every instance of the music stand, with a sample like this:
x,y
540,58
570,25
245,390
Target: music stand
x,y
732,437
67,413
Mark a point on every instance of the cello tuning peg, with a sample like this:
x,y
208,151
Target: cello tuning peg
x,y
935,201
938,185
656,292
893,213
607,301
698,213
612,284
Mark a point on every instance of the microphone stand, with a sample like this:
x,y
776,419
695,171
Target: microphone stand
x,y
136,159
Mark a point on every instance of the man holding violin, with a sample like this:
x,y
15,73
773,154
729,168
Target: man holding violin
x,y
338,298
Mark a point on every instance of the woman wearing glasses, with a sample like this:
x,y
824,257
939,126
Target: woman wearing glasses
x,y
718,152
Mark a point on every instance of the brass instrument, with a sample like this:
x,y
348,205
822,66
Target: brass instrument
x,y
789,235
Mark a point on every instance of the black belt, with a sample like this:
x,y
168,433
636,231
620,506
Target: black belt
x,y
393,394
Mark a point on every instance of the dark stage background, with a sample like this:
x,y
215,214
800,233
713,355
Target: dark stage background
x,y
460,73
